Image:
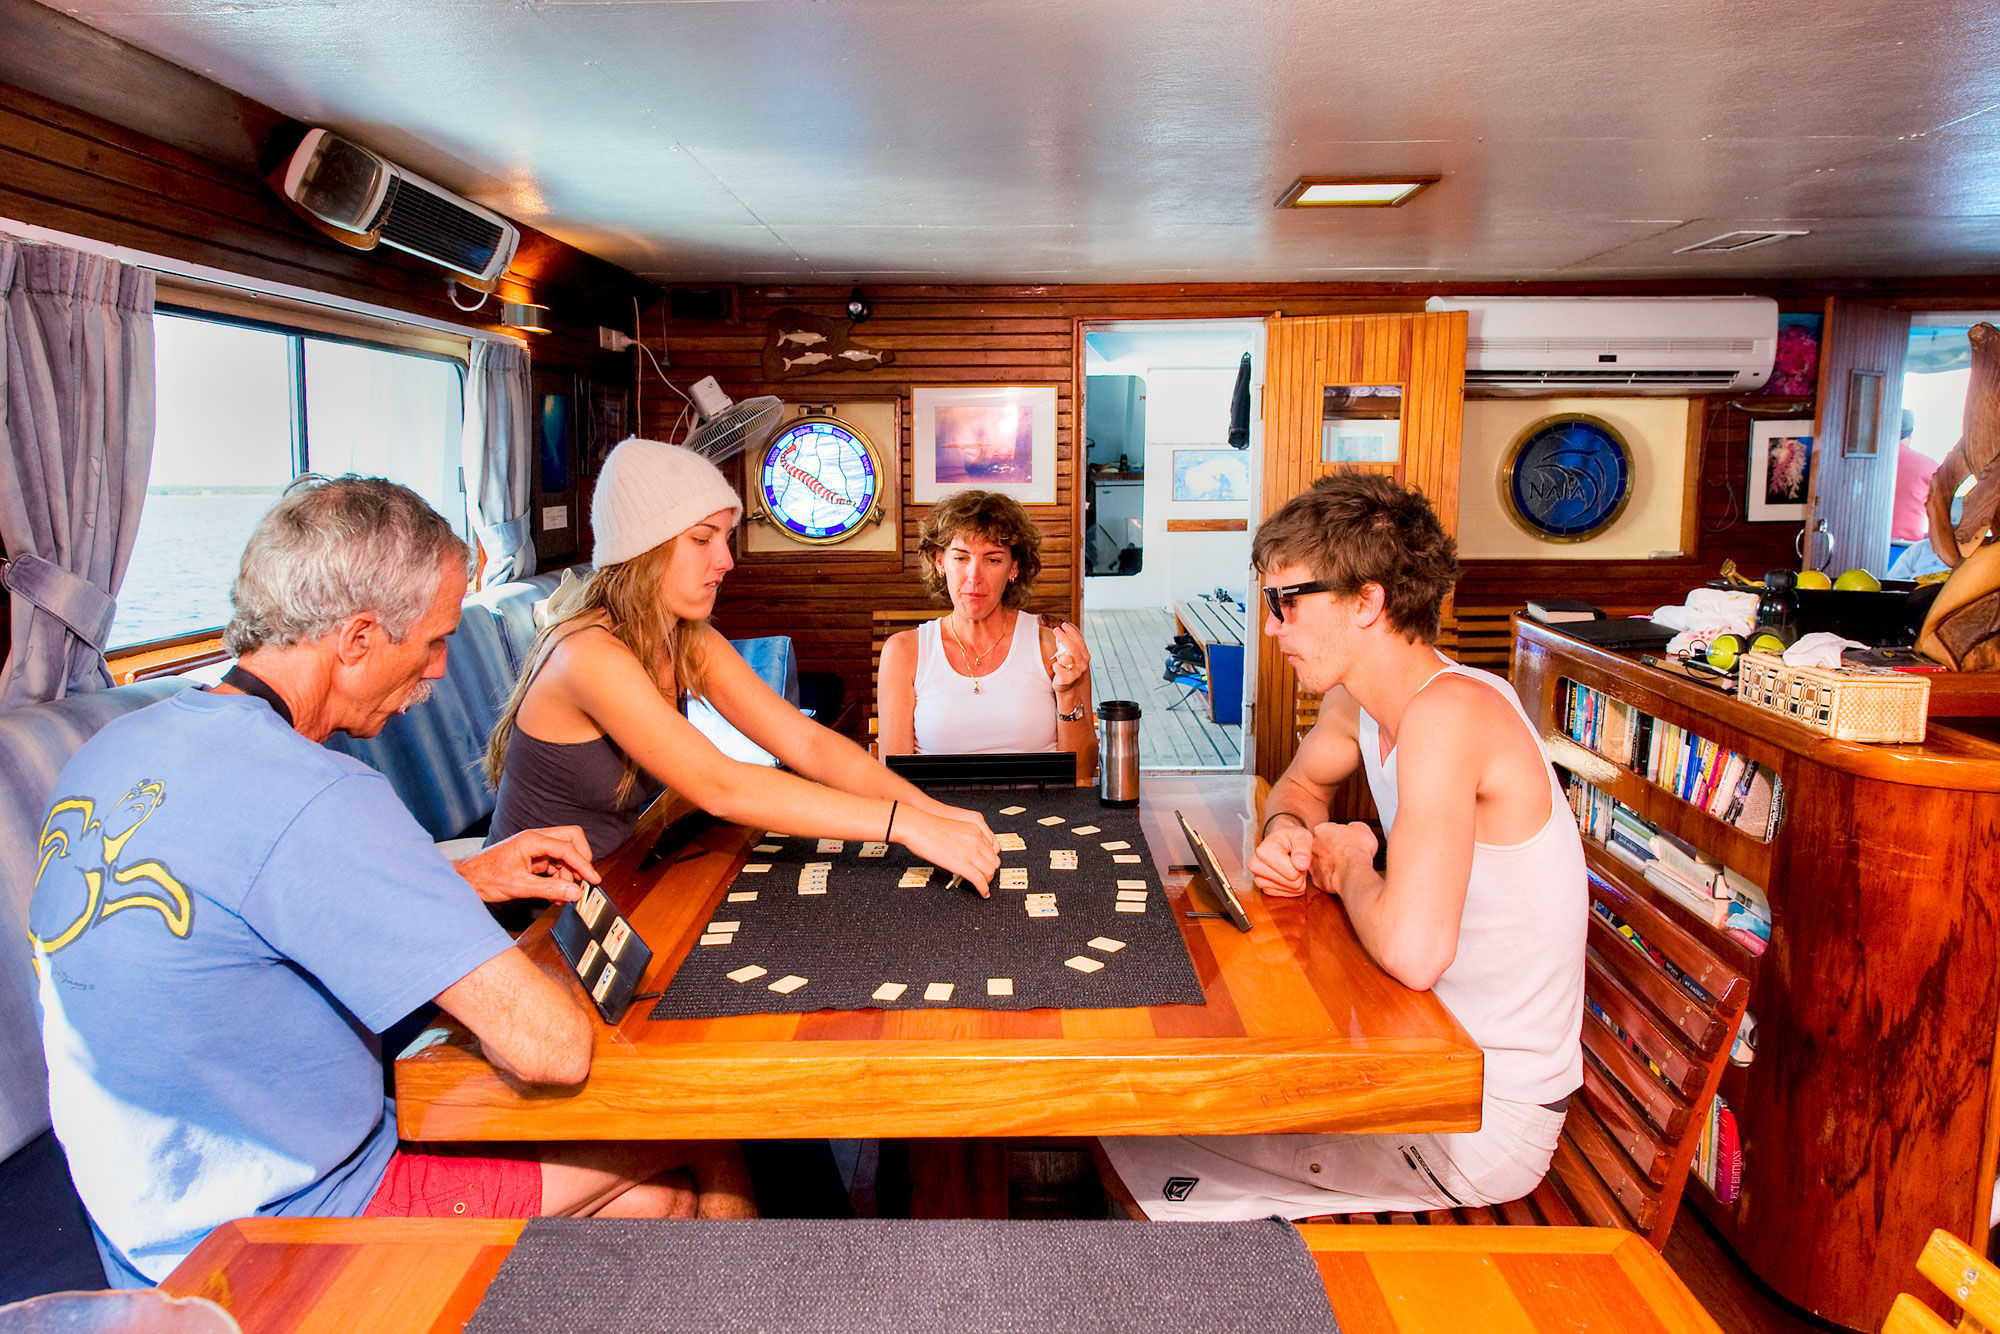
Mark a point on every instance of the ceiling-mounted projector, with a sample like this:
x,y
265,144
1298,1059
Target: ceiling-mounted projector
x,y
359,198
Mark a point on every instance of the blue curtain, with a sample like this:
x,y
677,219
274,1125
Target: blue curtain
x,y
76,443
498,449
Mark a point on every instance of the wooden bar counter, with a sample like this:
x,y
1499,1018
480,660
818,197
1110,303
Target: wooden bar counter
x,y
1867,1116
1301,1032
427,1276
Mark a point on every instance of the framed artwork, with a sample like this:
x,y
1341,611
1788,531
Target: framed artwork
x,y
1780,470
1211,474
1567,477
1361,423
1860,436
986,437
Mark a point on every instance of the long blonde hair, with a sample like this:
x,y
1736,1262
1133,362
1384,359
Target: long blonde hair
x,y
628,594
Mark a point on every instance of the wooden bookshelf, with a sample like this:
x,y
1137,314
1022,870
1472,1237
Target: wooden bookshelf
x,y
1869,1115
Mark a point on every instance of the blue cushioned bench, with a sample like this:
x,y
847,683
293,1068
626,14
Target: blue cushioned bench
x,y
432,755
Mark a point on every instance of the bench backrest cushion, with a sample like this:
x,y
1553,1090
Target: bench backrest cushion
x,y
432,755
36,740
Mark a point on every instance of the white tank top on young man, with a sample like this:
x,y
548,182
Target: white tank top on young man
x,y
1516,983
1012,709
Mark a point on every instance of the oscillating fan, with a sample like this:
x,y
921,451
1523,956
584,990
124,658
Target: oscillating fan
x,y
727,428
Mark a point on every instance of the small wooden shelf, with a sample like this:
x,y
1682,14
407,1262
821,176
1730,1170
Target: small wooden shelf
x,y
1609,866
1747,856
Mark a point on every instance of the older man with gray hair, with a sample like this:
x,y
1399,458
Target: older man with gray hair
x,y
228,913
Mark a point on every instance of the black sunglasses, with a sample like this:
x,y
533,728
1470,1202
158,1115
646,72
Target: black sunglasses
x,y
1277,598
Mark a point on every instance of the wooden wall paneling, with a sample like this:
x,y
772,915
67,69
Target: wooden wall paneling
x,y
99,139
1853,497
1423,353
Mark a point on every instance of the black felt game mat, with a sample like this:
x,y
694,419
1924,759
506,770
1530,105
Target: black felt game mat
x,y
866,931
810,1276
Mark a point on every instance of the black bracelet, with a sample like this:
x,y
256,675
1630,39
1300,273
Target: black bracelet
x,y
892,821
1266,830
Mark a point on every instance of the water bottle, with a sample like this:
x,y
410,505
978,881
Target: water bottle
x,y
1118,753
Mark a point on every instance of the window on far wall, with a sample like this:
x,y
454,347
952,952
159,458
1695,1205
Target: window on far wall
x,y
244,408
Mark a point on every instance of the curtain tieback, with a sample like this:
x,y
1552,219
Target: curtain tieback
x,y
79,604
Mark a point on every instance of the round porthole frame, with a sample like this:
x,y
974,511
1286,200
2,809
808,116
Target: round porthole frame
x,y
1530,435
768,513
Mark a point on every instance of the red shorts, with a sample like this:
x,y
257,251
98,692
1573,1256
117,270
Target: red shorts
x,y
440,1182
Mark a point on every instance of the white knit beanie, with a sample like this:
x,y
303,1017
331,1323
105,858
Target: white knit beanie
x,y
651,492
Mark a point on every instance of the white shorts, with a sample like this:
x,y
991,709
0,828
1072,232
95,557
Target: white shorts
x,y
1224,1178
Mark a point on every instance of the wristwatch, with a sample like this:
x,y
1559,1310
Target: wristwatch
x,y
1075,715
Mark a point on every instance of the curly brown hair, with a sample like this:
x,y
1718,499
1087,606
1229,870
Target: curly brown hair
x,y
1352,529
990,517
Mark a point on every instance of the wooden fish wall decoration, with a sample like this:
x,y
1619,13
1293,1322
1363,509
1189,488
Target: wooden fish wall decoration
x,y
800,343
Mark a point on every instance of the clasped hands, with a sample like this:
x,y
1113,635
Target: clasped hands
x,y
1292,856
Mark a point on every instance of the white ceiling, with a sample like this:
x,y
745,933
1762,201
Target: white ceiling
x,y
1145,140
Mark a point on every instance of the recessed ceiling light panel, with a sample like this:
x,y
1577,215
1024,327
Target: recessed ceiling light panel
x,y
1354,191
1737,241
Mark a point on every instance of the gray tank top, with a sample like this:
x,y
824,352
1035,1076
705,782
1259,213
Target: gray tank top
x,y
576,782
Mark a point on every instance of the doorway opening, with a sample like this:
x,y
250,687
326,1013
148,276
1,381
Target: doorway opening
x,y
1936,374
1173,454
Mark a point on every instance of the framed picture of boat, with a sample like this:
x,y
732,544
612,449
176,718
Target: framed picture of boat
x,y
986,437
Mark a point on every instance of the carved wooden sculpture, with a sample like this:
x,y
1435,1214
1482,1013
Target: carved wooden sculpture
x,y
1963,627
1975,455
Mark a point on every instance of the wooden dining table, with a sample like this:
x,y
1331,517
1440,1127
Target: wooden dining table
x,y
427,1276
1299,1031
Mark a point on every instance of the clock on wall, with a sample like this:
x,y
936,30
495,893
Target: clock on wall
x,y
821,481
1567,477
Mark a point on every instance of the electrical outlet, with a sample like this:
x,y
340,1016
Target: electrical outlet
x,y
611,340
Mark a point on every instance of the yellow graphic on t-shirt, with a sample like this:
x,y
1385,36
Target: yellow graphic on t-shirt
x,y
163,894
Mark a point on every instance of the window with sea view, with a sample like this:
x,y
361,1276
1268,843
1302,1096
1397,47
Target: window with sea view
x,y
241,410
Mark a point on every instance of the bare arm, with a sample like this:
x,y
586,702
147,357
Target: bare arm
x,y
1409,921
896,695
598,675
1303,794
530,1025
1068,662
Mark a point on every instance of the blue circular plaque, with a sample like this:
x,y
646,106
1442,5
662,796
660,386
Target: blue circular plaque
x,y
820,480
1567,477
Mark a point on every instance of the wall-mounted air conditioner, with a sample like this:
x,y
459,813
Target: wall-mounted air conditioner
x,y
1625,345
361,198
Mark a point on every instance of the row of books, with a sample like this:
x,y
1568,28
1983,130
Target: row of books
x,y
1718,1155
1731,787
1721,897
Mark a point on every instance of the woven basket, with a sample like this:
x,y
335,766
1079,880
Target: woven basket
x,y
1843,704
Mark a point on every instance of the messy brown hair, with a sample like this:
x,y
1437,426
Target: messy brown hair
x,y
990,517
628,596
1352,529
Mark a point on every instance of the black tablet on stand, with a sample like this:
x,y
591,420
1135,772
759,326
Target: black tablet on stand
x,y
603,950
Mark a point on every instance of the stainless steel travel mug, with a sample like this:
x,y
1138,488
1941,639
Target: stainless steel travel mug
x,y
1118,753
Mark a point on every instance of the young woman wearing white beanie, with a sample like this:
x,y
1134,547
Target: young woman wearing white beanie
x,y
593,730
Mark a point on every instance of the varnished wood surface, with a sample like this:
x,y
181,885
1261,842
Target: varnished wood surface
x,y
1867,1116
1425,354
402,1276
1949,757
1300,1032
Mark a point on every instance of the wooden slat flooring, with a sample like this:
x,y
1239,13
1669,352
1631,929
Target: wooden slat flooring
x,y
1128,649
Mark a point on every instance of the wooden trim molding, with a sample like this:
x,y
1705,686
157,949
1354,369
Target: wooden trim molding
x,y
1208,525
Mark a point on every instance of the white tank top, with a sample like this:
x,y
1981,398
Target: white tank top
x,y
1516,983
1014,708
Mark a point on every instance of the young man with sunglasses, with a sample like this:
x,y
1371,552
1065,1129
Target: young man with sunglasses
x,y
1483,900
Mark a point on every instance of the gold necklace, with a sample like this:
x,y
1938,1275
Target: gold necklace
x,y
973,661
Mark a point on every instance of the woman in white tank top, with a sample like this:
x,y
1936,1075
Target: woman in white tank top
x,y
987,676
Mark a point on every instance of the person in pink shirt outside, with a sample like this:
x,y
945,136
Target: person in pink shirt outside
x,y
1907,522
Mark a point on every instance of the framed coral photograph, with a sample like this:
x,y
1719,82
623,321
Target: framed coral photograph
x,y
1780,471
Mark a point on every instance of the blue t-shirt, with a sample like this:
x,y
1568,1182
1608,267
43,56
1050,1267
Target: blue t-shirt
x,y
225,917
